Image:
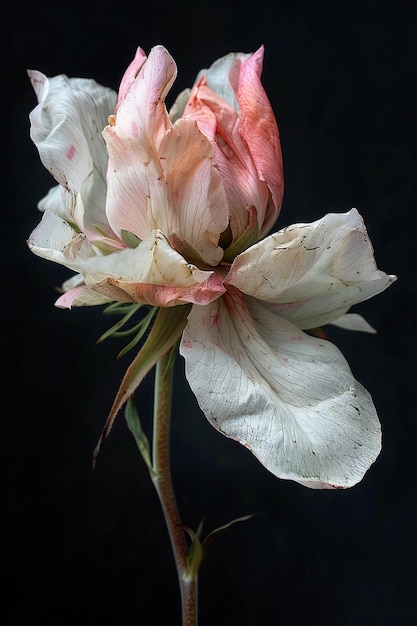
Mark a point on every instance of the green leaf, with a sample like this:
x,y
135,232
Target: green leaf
x,y
222,529
135,427
142,327
195,555
249,237
198,548
113,330
171,359
130,239
166,331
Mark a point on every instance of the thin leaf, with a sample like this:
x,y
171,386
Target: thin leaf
x,y
195,555
222,529
135,427
119,324
166,331
143,327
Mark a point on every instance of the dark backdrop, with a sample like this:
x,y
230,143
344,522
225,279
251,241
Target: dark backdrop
x,y
92,546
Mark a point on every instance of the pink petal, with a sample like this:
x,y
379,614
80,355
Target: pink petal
x,y
220,123
80,296
162,176
130,75
259,129
66,128
162,295
245,137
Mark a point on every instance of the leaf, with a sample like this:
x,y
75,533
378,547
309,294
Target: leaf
x,y
130,239
221,529
198,548
135,427
166,331
142,327
195,555
113,330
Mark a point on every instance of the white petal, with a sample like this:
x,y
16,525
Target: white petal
x,y
288,397
54,239
312,274
66,127
153,261
75,281
217,77
353,321
177,109
54,201
81,296
152,272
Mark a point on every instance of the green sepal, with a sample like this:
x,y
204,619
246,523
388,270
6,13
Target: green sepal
x,y
171,359
198,548
165,332
142,327
135,427
194,556
131,310
130,239
247,239
221,529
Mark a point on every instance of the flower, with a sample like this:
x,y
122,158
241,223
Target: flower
x,y
173,210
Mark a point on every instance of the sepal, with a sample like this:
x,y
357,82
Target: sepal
x,y
166,331
135,427
198,548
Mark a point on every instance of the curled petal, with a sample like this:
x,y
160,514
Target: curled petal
x,y
232,109
260,131
311,274
353,321
162,295
289,398
162,176
130,74
54,239
177,109
54,201
194,191
66,128
152,272
81,296
218,78
111,290
135,186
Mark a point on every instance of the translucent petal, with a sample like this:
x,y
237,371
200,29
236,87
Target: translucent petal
x,y
353,321
81,296
152,272
311,274
232,109
288,397
66,127
162,176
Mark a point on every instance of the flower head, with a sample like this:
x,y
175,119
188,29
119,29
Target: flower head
x,y
174,208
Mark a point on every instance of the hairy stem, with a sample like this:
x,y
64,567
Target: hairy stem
x,y
162,480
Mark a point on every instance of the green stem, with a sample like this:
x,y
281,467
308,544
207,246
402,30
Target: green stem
x,y
161,477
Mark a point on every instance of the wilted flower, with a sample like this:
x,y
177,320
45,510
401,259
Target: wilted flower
x,y
173,210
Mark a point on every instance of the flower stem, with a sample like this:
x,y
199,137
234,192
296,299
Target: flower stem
x,y
161,477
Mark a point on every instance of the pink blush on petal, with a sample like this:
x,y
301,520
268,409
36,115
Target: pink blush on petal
x,y
135,131
71,152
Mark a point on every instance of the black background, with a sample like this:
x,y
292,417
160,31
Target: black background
x,y
92,546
